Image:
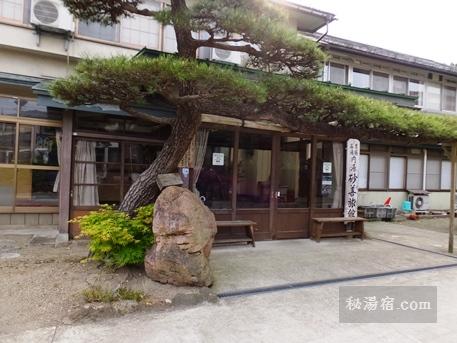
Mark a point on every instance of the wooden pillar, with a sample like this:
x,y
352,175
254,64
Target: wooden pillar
x,y
452,197
65,172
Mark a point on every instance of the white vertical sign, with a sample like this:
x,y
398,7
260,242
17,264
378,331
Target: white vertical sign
x,y
352,177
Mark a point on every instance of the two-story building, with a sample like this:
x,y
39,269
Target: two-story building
x,y
58,162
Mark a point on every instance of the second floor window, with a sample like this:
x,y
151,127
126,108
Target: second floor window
x,y
337,73
433,97
449,98
416,88
12,10
400,85
380,82
361,78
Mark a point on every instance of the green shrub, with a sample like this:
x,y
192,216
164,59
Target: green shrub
x,y
117,239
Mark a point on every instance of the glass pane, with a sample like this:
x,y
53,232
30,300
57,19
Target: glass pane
x,y
37,145
132,173
99,122
380,82
169,39
294,173
215,180
254,171
363,172
446,175
433,174
109,174
361,78
329,175
12,9
414,178
338,73
6,186
400,85
36,188
377,171
30,109
140,154
108,152
416,88
97,30
109,194
449,99
140,30
397,171
146,129
8,106
7,142
433,97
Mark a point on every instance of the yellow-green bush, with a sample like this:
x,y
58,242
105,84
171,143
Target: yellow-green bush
x,y
117,239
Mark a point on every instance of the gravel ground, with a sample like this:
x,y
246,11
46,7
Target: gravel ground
x,y
431,224
42,285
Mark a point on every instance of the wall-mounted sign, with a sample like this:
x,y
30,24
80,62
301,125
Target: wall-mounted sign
x,y
352,177
218,159
327,167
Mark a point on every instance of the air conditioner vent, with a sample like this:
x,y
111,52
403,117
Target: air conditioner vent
x,y
222,54
46,12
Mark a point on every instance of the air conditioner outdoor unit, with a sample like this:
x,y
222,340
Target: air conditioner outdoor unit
x,y
51,15
226,56
420,201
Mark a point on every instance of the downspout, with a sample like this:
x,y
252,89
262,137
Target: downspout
x,y
424,170
325,33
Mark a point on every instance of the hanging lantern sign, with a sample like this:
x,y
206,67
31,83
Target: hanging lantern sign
x,y
352,177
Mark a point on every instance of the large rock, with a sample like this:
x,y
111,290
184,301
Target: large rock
x,y
184,231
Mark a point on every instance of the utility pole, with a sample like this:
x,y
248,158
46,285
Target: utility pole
x,y
452,199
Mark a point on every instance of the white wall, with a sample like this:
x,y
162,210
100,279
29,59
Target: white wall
x,y
20,54
438,200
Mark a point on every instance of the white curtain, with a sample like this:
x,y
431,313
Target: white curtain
x,y
55,189
338,174
85,173
201,141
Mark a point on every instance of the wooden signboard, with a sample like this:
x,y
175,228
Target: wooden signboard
x,y
166,180
352,177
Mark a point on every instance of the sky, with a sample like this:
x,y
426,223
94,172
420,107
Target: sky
x,y
421,28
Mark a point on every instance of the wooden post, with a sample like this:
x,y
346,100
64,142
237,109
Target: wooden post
x,y
452,199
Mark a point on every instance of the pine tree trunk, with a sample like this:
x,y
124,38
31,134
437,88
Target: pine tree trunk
x,y
144,190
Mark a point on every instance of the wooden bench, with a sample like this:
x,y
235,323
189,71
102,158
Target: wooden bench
x,y
247,224
317,231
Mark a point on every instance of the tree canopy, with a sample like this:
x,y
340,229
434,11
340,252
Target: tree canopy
x,y
294,103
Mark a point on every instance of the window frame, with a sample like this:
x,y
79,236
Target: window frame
x,y
18,120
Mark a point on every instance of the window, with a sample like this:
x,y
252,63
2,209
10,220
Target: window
x,y
37,145
433,97
8,106
215,179
400,85
141,30
380,82
12,9
169,39
7,142
32,180
449,98
363,172
415,173
337,73
446,175
329,175
433,174
99,31
361,78
416,88
294,173
378,169
7,187
397,172
254,171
